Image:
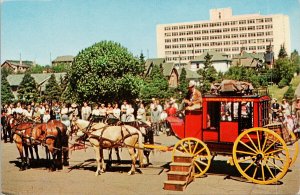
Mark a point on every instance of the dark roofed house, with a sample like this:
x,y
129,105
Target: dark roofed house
x,y
220,61
41,80
17,66
68,59
249,60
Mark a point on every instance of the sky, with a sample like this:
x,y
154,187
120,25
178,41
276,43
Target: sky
x,y
41,30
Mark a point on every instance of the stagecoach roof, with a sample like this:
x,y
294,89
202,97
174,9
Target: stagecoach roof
x,y
235,98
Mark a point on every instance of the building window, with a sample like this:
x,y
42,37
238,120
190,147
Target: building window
x,y
190,45
269,33
174,33
226,36
243,35
168,52
226,29
269,40
226,43
205,31
233,22
167,40
182,52
205,44
226,23
260,27
197,38
182,33
182,45
190,39
259,20
197,32
167,28
227,49
182,27
197,25
242,22
205,38
167,34
243,28
175,46
252,21
252,47
261,47
189,32
260,40
205,25
268,19
243,42
252,41
251,34
235,49
189,26
235,42
234,36
182,39
197,44
259,34
235,29
175,40
269,26
174,27
251,27
167,46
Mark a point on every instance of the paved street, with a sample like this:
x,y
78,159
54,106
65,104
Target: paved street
x,y
81,180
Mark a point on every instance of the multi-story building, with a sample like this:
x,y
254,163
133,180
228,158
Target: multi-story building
x,y
224,32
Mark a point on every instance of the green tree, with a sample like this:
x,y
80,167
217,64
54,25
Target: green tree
x,y
208,74
289,94
282,52
295,60
142,62
183,84
156,85
6,94
36,69
52,89
28,89
106,71
61,68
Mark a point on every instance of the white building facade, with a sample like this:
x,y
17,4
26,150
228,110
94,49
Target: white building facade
x,y
224,32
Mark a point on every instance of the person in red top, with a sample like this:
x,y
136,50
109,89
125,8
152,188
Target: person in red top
x,y
193,100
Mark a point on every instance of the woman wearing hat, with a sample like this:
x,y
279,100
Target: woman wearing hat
x,y
193,100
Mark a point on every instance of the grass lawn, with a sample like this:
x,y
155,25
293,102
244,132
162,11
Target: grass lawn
x,y
277,93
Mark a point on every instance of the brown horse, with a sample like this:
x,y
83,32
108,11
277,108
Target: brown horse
x,y
52,135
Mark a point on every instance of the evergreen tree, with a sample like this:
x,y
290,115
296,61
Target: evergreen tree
x,y
289,94
282,52
28,89
183,84
6,94
208,74
142,62
156,85
52,89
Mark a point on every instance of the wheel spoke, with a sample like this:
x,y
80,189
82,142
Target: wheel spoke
x,y
203,163
247,146
195,147
246,159
273,157
275,151
258,141
243,152
254,174
248,166
190,148
262,172
252,142
275,165
184,148
199,168
264,144
199,151
270,145
270,170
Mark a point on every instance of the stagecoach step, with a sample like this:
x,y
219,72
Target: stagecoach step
x,y
178,176
175,185
179,166
183,158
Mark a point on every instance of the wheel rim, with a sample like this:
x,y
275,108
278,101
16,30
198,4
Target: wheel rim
x,y
198,150
261,155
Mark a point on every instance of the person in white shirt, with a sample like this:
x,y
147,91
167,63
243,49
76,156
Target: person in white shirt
x,y
141,113
10,109
85,111
109,111
28,112
129,114
102,112
64,110
42,112
96,113
19,109
46,117
73,110
124,108
116,111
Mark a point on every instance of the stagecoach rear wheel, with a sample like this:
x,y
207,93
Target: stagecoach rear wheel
x,y
198,150
293,148
261,155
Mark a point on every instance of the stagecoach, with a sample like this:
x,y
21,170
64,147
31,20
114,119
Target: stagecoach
x,y
236,126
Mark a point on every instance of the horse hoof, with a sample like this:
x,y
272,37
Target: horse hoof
x,y
131,173
97,173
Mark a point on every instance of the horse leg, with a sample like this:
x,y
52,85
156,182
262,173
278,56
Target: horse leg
x,y
36,152
102,163
109,158
27,163
97,153
133,158
118,156
20,149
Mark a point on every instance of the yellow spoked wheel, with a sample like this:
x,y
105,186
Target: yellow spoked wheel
x,y
198,150
261,155
293,148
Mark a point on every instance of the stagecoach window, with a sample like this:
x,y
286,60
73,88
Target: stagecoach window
x,y
228,111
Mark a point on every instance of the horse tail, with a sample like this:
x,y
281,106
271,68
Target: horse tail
x,y
140,150
58,146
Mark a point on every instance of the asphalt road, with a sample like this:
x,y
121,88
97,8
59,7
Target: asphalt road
x,y
221,177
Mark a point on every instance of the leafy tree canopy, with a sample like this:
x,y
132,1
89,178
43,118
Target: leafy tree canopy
x,y
36,69
6,94
52,90
106,71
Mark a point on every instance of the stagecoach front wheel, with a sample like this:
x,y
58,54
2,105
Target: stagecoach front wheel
x,y
198,150
261,155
